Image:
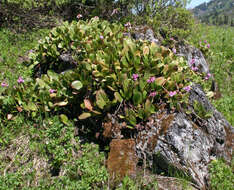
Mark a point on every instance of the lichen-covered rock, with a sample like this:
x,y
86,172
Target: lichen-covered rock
x,y
190,52
144,33
186,143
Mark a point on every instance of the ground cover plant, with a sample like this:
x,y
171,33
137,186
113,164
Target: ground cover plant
x,y
44,99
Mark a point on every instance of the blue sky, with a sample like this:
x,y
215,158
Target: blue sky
x,y
194,3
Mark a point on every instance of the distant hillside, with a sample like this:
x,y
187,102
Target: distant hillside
x,y
218,12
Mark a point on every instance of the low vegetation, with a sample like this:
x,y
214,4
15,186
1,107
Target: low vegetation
x,y
44,99
221,40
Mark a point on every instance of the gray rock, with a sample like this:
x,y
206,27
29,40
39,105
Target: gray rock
x,y
179,142
149,35
139,34
190,52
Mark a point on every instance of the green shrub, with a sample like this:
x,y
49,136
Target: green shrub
x,y
28,4
109,69
173,22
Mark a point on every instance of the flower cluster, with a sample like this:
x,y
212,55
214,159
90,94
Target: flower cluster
x,y
4,84
207,76
151,80
153,94
20,80
194,68
52,91
187,88
192,62
172,93
135,77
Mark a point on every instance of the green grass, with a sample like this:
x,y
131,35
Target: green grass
x,y
14,48
221,40
13,51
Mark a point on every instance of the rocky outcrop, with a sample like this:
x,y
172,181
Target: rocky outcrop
x,y
180,142
192,53
144,33
185,143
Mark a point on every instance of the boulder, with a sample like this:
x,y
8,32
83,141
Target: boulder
x,y
144,33
190,52
175,142
179,142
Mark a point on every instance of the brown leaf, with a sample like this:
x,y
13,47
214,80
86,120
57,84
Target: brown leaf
x,y
19,109
160,81
88,105
53,95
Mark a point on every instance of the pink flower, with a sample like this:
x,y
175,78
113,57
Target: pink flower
x,y
101,37
128,24
205,41
135,76
151,80
207,76
96,17
208,46
4,84
114,12
187,88
192,61
194,68
79,16
52,91
153,94
172,39
172,93
174,50
20,80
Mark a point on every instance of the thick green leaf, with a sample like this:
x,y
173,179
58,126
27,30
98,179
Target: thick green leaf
x,y
118,97
137,97
30,107
64,119
84,115
101,99
76,85
41,83
64,103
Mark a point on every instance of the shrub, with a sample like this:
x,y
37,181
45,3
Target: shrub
x,y
173,22
109,70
